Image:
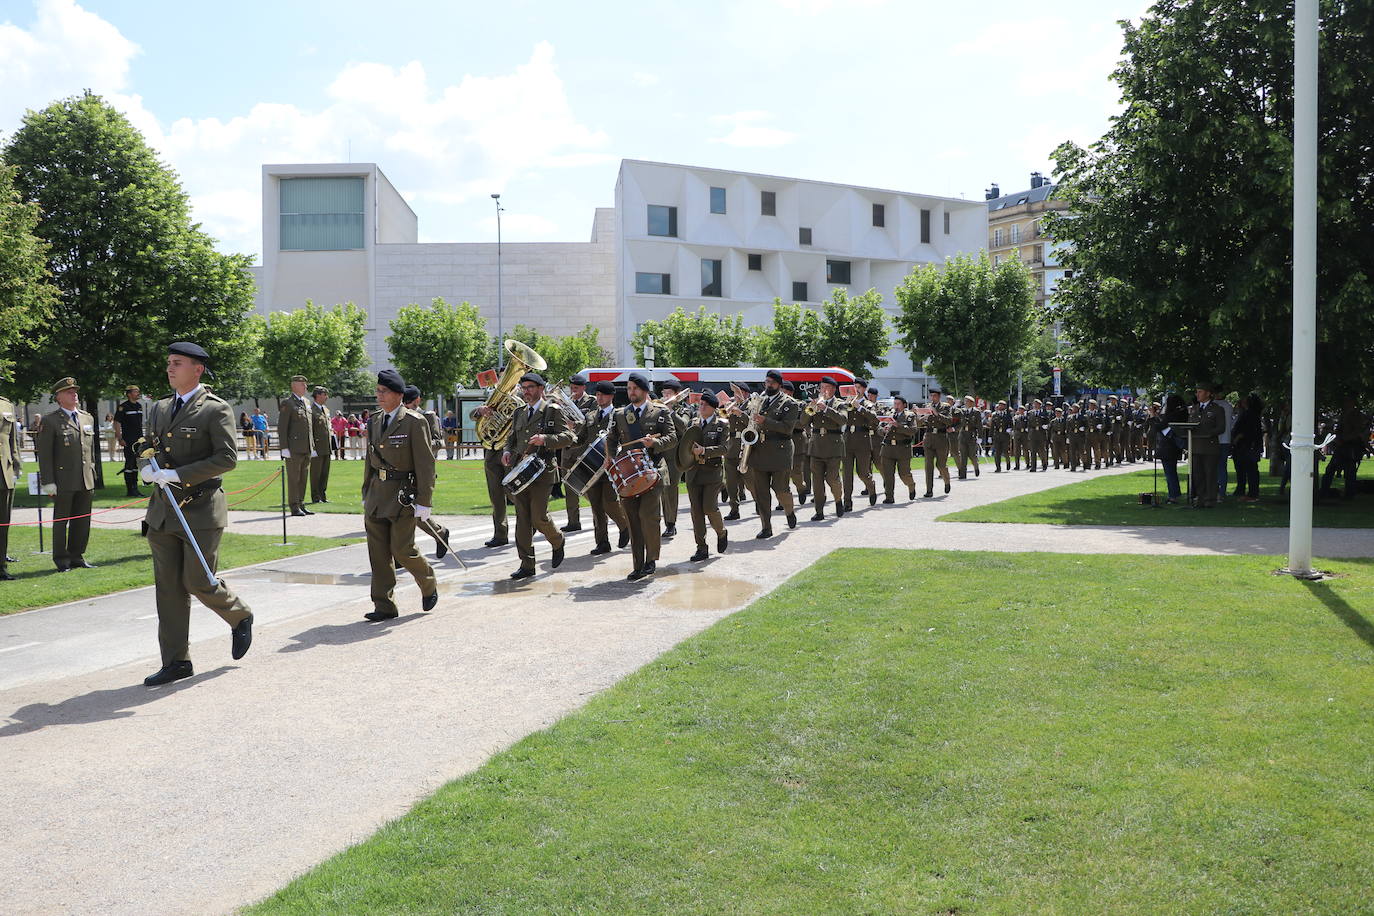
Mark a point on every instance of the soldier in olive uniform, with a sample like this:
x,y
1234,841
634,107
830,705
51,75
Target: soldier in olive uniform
x,y
701,454
641,425
1206,451
1000,423
1020,437
410,397
296,437
801,448
735,479
1059,439
1078,428
826,426
577,390
771,459
1037,435
601,495
858,447
936,423
539,428
11,471
894,450
319,437
1352,439
398,491
967,435
66,470
495,472
192,436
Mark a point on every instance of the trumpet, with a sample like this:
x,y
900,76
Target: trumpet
x,y
814,407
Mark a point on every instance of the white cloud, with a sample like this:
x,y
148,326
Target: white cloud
x,y
745,131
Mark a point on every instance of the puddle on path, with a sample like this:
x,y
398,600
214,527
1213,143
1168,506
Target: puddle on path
x,y
706,592
307,578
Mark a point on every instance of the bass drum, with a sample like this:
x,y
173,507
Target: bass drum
x,y
632,473
526,472
584,474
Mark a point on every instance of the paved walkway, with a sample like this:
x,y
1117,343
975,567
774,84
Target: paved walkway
x,y
215,791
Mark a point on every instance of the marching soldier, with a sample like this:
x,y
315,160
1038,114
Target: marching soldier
x,y
801,451
11,471
495,472
410,397
827,424
191,434
295,435
937,424
398,492
1098,424
1020,437
319,438
651,428
1001,423
671,495
1206,451
601,495
1352,438
1037,434
540,428
858,447
701,454
128,429
66,470
734,477
894,450
1059,439
1078,428
1115,427
969,432
577,390
771,459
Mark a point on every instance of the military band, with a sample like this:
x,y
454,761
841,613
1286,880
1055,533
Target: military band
x,y
538,431
650,429
936,424
895,436
770,458
826,420
701,455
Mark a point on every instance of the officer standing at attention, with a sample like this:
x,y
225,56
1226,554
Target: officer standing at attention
x,y
319,437
1206,453
295,434
192,435
1038,433
128,429
701,455
937,424
827,423
411,399
601,496
671,497
970,432
11,470
894,450
398,491
539,428
1059,439
858,446
1020,437
577,390
650,427
770,459
67,473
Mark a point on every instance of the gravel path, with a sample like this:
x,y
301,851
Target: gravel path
x,y
213,792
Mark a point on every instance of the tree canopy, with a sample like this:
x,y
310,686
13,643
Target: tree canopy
x,y
848,331
700,338
313,342
564,355
27,297
436,347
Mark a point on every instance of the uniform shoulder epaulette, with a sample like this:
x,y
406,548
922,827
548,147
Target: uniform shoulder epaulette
x,y
211,396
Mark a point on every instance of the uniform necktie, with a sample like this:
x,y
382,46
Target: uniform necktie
x,y
386,418
176,407
529,414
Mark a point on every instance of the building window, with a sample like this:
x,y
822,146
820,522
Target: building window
x,y
925,227
756,262
996,259
804,236
717,200
837,272
663,221
1015,233
997,238
798,291
654,284
946,222
768,203
321,214
710,277
879,215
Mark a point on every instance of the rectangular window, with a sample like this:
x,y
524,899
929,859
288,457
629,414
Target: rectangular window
x,y
768,203
804,236
1015,233
925,227
996,259
879,215
717,200
946,222
997,238
654,284
837,272
321,214
756,262
663,221
798,291
710,277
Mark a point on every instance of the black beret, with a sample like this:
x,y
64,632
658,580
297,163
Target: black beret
x,y
532,377
873,390
898,397
860,382
411,393
604,387
390,378
829,380
639,379
578,379
709,397
186,348
672,383
774,374
788,386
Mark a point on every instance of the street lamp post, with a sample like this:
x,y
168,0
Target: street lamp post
x,y
500,328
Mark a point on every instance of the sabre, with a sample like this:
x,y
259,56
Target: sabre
x,y
166,487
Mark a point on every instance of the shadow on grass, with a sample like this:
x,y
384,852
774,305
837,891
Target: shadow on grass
x,y
1357,622
99,705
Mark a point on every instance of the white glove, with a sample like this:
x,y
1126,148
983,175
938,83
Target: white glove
x,y
421,512
145,473
286,453
165,476
49,489
312,454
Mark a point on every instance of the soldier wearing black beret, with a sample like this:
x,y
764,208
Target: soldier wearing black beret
x,y
577,390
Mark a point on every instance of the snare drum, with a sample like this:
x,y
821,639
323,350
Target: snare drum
x,y
526,472
589,467
632,473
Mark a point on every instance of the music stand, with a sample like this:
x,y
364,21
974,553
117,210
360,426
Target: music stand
x,y
1188,427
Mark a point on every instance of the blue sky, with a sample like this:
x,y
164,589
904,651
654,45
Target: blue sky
x,y
540,101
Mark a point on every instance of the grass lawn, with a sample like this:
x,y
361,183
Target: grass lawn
x,y
1071,734
1114,500
122,561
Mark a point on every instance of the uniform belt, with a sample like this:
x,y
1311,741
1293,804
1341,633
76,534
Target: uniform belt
x,y
384,474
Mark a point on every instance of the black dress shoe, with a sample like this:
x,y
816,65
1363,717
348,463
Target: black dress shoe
x,y
977,472
963,477
872,498
701,554
557,557
429,601
173,672
522,574
497,542
62,567
571,527
888,500
5,576
801,497
765,533
670,532
10,559
840,509
635,576
441,547
732,516
599,549
778,507
913,492
299,513
82,564
305,511
866,493
648,568
722,542
375,616
624,539
242,637
792,520
927,495
818,516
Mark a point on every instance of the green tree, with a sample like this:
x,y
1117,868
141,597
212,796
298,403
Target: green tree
x,y
970,323
436,347
27,298
313,342
795,337
849,332
700,338
1181,214
564,355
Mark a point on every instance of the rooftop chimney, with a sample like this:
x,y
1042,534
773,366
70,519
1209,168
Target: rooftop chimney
x,y
1037,180
992,193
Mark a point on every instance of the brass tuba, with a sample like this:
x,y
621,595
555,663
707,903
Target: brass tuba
x,y
494,428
